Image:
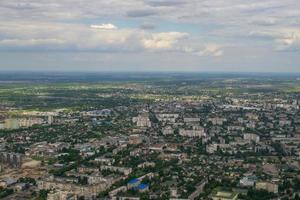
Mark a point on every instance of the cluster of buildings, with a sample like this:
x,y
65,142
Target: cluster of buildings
x,y
13,160
217,147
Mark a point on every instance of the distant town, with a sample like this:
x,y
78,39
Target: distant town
x,y
150,136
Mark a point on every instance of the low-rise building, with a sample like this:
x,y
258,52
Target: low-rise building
x,y
268,186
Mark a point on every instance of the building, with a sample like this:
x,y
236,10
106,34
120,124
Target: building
x,y
167,117
199,132
4,183
11,124
168,130
117,190
124,170
199,189
50,119
79,190
61,195
98,113
268,186
143,187
224,195
248,181
191,120
135,139
11,159
1,126
217,121
251,137
142,121
133,183
28,122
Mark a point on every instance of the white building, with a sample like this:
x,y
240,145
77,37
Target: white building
x,y
248,181
142,121
199,132
251,137
168,130
191,120
28,122
217,121
167,117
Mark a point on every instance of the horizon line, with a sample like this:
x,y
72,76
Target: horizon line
x,y
148,71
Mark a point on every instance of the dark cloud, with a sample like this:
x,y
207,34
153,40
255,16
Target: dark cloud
x,y
147,26
19,6
141,13
159,3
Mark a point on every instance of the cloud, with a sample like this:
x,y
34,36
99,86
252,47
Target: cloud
x,y
30,42
285,39
104,26
66,37
158,3
140,13
264,34
264,21
147,26
76,37
204,28
290,42
211,50
164,41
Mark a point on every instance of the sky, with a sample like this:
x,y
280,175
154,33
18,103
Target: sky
x,y
150,35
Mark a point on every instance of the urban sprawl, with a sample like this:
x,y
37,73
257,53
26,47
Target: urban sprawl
x,y
219,138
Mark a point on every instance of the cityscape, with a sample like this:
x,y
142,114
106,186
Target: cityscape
x,y
162,136
150,99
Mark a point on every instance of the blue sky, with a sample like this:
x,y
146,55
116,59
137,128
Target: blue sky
x,y
150,35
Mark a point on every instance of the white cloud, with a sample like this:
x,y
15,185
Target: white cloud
x,y
66,37
289,42
63,36
211,50
284,38
264,21
163,40
104,26
30,42
54,36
